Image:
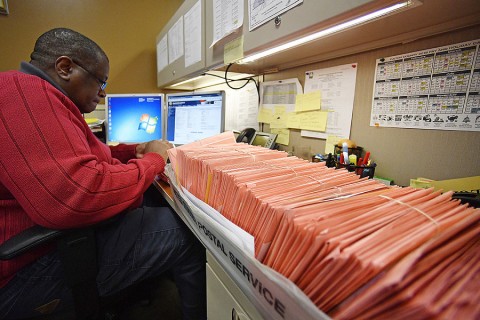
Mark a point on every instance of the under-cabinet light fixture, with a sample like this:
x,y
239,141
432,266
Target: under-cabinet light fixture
x,y
186,81
326,32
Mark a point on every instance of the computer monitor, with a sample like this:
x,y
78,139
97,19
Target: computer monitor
x,y
134,118
194,116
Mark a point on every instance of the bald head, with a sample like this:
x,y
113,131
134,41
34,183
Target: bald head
x,y
66,42
75,63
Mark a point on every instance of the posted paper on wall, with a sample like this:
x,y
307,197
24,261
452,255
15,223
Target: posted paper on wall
x,y
162,54
262,11
175,41
241,107
227,17
193,34
277,93
337,88
437,88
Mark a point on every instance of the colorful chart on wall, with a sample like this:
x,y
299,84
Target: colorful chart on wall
x,y
437,88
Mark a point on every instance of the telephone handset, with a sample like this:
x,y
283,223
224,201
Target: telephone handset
x,y
246,135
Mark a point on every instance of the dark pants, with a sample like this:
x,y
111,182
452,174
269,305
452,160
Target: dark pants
x,y
139,245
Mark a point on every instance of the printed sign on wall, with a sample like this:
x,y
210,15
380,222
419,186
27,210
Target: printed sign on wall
x,y
431,89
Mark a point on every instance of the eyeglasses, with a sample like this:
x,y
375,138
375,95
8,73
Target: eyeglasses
x,y
103,84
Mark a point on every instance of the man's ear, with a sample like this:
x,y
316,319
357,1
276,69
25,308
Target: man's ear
x,y
64,67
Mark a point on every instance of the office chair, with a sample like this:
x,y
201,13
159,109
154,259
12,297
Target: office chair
x,y
78,254
77,251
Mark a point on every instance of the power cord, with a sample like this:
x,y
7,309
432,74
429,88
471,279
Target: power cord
x,y
227,80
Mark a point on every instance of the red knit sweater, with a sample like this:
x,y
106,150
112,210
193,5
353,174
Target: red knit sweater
x,y
53,171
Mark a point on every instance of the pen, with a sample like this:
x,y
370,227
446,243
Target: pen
x,y
365,160
359,163
345,153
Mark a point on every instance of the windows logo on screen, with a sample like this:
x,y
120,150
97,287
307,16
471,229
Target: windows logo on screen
x,y
147,123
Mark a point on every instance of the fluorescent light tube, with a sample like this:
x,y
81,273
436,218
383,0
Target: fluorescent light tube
x,y
186,81
326,32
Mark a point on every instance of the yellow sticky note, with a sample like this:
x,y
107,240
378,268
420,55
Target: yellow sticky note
x,y
279,117
299,102
293,120
283,136
308,101
265,115
233,50
313,120
312,101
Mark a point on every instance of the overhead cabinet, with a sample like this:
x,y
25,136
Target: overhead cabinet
x,y
181,44
176,43
186,47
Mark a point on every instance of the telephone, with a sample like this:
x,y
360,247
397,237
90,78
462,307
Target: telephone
x,y
246,135
251,136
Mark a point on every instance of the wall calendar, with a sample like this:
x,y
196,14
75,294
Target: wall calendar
x,y
431,89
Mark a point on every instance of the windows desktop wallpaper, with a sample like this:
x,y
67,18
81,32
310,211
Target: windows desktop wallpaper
x,y
134,119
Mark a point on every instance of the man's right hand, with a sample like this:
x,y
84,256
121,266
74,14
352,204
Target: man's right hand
x,y
157,146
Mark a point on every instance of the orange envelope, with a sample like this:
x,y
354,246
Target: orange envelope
x,y
337,236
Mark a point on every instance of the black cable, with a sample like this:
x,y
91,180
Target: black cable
x,y
227,81
211,74
248,81
230,80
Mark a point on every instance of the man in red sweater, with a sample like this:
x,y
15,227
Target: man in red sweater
x,y
55,173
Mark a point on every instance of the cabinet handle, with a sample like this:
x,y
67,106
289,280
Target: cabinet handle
x,y
235,316
239,315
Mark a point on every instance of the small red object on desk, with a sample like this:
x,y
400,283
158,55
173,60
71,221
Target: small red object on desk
x,y
365,160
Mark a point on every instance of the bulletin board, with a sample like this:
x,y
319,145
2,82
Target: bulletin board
x,y
430,89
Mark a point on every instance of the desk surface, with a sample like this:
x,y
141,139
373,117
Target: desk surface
x,y
166,191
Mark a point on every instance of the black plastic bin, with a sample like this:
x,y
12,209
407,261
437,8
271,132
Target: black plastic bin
x,y
362,171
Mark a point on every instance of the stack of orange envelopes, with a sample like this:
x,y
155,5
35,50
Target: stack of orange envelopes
x,y
439,280
356,247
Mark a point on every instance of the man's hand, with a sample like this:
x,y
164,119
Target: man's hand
x,y
157,146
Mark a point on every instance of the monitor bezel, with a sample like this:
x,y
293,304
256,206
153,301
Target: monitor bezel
x,y
120,95
191,93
